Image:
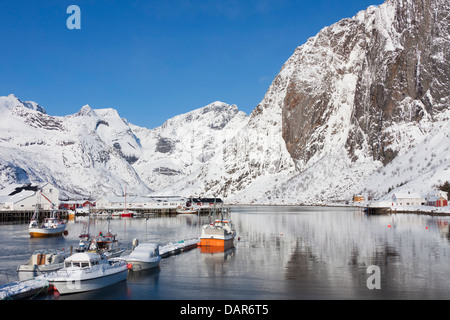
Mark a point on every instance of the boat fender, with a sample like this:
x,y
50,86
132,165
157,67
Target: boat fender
x,y
129,266
135,242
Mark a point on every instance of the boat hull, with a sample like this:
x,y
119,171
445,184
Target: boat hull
x,y
141,265
225,243
187,211
26,272
44,233
126,215
71,285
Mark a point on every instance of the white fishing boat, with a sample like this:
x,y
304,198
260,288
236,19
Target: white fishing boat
x,y
144,256
52,226
42,261
103,243
86,272
106,244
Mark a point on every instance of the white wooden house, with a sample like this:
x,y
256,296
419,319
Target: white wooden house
x,y
406,199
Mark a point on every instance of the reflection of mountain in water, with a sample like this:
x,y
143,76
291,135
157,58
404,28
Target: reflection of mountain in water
x,y
332,249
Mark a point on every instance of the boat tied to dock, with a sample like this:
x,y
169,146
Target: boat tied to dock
x,y
87,271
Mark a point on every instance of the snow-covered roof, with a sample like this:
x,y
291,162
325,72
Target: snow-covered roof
x,y
17,197
401,195
434,198
139,199
26,192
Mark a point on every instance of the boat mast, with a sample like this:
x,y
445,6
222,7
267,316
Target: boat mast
x,y
89,221
125,199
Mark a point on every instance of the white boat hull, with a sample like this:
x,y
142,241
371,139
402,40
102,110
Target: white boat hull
x,y
143,265
73,285
46,232
26,272
181,211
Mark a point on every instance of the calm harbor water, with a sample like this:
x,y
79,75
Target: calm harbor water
x,y
284,253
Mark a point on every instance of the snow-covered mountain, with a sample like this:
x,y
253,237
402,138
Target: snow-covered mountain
x,y
96,152
89,153
361,107
363,95
185,144
345,111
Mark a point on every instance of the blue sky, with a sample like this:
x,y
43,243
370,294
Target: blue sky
x,y
152,60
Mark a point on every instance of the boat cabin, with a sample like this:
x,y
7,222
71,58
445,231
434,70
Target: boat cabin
x,y
82,260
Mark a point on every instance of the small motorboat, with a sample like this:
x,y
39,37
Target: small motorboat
x,y
144,256
42,261
87,271
187,210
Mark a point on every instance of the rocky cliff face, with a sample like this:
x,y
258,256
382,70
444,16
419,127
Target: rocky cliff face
x,y
358,77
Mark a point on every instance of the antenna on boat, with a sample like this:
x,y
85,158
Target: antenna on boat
x,y
146,219
89,220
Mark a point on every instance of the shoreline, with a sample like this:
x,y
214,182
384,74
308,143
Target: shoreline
x,y
426,210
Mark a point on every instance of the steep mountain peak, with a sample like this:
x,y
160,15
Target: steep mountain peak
x,y
219,106
86,110
11,101
107,112
215,115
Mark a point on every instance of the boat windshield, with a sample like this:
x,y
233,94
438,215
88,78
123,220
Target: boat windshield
x,y
74,264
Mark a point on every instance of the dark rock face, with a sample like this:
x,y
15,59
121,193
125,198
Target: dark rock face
x,y
388,64
164,145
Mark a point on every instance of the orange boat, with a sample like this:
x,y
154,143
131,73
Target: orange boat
x,y
220,234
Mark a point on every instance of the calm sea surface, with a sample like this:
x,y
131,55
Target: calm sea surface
x,y
284,253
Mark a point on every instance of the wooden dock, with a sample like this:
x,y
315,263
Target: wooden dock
x,y
26,215
146,211
27,289
377,210
22,216
171,249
